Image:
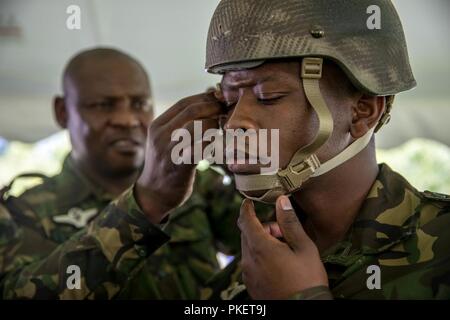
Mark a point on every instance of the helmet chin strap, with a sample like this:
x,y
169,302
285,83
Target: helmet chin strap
x,y
352,150
304,164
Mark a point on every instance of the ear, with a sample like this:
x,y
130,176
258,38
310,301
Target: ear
x,y
60,111
366,113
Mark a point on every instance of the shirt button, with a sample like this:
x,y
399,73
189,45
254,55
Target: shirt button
x,y
141,251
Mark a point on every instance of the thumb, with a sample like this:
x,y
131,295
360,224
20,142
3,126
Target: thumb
x,y
293,232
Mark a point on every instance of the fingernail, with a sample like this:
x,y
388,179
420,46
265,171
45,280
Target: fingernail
x,y
285,203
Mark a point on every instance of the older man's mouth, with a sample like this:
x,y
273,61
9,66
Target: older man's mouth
x,y
126,145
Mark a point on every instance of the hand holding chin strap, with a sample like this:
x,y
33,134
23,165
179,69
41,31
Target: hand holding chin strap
x,y
304,162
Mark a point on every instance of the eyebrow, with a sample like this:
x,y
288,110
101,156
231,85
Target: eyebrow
x,y
246,83
132,95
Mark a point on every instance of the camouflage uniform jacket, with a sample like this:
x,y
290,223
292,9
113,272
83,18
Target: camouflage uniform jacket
x,y
120,254
402,231
399,229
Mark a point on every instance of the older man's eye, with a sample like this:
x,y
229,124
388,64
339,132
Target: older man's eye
x,y
104,105
141,105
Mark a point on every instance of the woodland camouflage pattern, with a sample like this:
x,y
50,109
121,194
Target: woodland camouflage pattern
x,y
122,255
9,233
401,230
119,252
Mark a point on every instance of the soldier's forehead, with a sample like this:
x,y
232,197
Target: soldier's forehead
x,y
244,79
278,73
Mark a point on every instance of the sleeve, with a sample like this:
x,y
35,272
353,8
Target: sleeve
x,y
9,239
214,188
221,204
429,261
314,293
95,263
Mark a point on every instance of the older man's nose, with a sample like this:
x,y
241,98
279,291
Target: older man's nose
x,y
124,115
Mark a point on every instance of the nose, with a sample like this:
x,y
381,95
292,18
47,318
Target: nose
x,y
124,115
242,116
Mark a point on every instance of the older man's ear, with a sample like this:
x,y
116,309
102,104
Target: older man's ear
x,y
60,112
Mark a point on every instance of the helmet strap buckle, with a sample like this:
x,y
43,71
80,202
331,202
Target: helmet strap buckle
x,y
312,68
294,175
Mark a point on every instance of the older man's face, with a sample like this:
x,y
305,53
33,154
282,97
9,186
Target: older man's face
x,y
108,115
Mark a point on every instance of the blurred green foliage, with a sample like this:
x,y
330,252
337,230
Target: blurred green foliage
x,y
44,157
425,163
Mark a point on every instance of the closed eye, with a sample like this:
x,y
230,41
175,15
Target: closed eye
x,y
103,105
264,101
230,105
269,101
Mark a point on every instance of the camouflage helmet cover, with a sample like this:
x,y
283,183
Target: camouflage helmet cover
x,y
376,61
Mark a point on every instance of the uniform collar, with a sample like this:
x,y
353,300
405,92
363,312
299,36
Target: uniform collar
x,y
73,176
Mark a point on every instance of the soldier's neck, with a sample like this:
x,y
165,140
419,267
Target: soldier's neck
x,y
332,201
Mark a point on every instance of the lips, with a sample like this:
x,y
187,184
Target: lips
x,y
239,153
237,159
239,162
